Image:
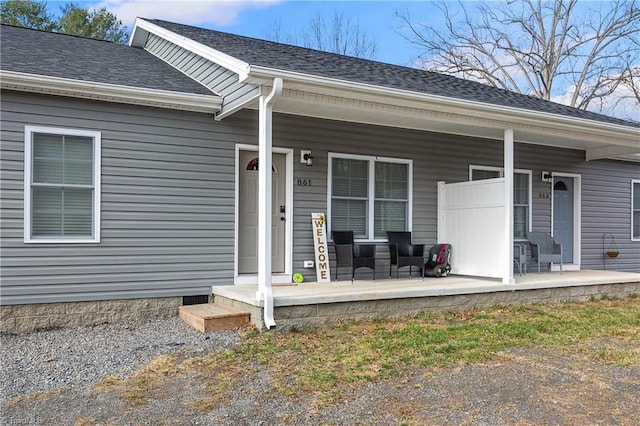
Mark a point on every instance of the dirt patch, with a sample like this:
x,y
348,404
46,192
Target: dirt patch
x,y
523,386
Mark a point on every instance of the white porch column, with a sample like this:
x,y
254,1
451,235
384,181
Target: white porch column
x,y
265,200
507,276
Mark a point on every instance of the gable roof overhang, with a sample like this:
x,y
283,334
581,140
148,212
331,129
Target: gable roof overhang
x,y
35,83
337,99
348,101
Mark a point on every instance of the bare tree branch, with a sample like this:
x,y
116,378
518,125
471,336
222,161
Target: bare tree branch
x,y
336,34
536,47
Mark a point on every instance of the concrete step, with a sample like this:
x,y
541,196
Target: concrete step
x,y
212,316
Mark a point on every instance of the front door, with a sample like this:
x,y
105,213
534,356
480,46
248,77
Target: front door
x,y
563,214
248,213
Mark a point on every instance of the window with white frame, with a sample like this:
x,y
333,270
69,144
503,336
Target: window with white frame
x,y
521,195
369,195
62,185
635,209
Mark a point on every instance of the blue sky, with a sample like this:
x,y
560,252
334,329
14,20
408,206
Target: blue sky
x,y
256,18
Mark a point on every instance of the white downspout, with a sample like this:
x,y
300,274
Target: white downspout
x,y
264,200
507,275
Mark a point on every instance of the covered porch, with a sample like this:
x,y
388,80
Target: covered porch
x,y
316,304
475,217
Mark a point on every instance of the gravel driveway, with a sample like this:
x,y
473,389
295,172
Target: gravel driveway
x,y
48,378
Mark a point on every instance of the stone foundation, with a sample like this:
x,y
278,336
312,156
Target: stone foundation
x,y
27,318
323,314
18,319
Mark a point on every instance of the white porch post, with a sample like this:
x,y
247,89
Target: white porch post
x,y
264,200
507,275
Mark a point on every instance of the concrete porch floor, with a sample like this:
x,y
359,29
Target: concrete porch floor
x,y
360,290
320,303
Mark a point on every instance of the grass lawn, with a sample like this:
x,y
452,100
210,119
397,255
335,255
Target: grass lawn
x,y
329,363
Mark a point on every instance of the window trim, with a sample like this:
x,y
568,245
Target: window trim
x,y
529,173
634,208
372,159
29,131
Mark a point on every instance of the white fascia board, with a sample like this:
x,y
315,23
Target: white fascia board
x,y
623,135
222,59
10,80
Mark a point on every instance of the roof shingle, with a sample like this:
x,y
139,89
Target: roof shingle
x,y
65,56
317,63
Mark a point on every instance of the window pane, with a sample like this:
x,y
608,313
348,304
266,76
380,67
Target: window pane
x,y
520,221
62,159
78,160
636,196
521,205
636,224
391,180
46,212
349,215
480,174
59,212
349,178
47,158
520,188
78,212
389,216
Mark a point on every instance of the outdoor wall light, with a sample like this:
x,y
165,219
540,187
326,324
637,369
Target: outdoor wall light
x,y
306,157
547,177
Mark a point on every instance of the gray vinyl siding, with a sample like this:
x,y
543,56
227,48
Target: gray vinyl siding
x,y
606,185
168,199
218,79
168,196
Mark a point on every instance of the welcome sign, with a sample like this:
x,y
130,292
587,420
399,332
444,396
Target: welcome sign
x,y
320,246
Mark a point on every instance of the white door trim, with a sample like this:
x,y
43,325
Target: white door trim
x,y
577,225
288,252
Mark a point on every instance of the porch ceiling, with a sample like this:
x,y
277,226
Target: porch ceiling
x,y
599,140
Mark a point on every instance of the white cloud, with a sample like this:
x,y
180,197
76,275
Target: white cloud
x,y
622,103
194,12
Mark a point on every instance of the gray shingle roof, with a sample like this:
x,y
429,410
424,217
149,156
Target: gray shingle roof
x,y
317,63
59,55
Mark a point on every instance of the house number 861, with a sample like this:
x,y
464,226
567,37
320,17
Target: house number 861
x,y
304,182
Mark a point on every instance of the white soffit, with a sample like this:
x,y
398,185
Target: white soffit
x,y
139,37
392,112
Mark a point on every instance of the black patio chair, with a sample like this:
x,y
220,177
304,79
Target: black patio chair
x,y
403,253
349,254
